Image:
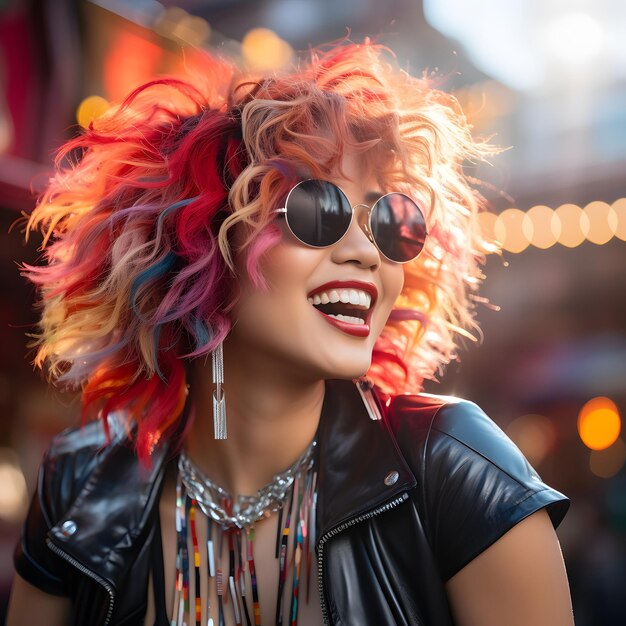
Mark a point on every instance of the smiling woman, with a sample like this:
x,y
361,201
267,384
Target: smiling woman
x,y
315,235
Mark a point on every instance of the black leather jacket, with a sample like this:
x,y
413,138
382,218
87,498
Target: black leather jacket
x,y
404,503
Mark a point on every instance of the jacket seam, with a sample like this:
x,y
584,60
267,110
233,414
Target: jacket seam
x,y
529,494
469,447
503,532
484,456
425,465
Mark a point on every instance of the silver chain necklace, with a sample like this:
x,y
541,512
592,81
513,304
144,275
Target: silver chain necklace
x,y
241,512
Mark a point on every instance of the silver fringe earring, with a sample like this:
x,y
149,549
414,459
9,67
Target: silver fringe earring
x,y
219,401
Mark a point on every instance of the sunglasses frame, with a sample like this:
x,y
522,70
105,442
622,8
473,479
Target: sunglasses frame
x,y
368,225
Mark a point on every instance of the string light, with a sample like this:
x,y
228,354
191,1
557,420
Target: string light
x,y
602,222
619,206
542,226
509,231
568,225
574,225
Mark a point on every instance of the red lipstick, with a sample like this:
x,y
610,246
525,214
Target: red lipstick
x,y
361,330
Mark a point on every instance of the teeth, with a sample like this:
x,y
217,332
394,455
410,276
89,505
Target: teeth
x,y
348,318
356,297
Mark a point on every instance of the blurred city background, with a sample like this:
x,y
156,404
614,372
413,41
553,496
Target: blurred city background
x,y
546,80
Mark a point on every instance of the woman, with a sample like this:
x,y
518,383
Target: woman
x,y
302,230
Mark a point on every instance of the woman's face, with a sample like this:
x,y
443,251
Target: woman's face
x,y
296,323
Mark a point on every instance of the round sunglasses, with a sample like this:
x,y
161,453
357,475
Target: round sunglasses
x,y
319,214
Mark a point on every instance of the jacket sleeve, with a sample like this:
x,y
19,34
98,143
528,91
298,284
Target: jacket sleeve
x,y
478,485
33,560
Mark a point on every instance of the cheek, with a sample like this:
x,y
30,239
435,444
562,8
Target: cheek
x,y
286,269
392,275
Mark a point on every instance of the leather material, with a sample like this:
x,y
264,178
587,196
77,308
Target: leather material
x,y
386,548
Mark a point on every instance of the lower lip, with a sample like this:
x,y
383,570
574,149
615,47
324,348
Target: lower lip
x,y
362,330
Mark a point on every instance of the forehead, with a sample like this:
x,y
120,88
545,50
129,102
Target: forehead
x,y
357,178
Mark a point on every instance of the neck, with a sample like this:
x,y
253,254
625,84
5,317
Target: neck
x,y
272,417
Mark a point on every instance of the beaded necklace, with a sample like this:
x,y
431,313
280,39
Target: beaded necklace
x,y
230,522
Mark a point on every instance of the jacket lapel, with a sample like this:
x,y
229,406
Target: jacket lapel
x,y
357,459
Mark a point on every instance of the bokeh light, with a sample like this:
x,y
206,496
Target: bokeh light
x,y
602,222
599,423
534,435
606,463
193,30
487,223
263,50
574,225
90,109
130,61
508,230
619,206
13,492
541,226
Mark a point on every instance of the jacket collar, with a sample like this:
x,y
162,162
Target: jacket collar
x,y
107,524
358,458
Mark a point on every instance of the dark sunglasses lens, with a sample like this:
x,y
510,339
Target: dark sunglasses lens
x,y
398,227
318,213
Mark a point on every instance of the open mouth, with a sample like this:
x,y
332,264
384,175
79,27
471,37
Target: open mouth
x,y
346,305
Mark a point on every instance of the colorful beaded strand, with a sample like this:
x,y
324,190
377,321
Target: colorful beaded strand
x,y
219,580
210,566
231,578
196,562
255,591
185,559
177,605
297,556
311,533
282,564
242,545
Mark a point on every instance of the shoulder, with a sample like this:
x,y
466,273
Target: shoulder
x,y
473,482
438,425
70,459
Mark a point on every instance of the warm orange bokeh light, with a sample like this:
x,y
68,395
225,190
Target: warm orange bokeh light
x,y
602,222
508,230
131,60
541,226
262,49
90,109
599,423
619,206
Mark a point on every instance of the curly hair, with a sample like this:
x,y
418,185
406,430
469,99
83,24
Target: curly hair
x,y
138,274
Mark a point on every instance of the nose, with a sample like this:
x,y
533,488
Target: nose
x,y
356,246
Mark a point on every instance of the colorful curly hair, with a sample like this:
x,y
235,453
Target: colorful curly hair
x,y
138,275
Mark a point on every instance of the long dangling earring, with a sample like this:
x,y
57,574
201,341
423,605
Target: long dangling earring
x,y
219,401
